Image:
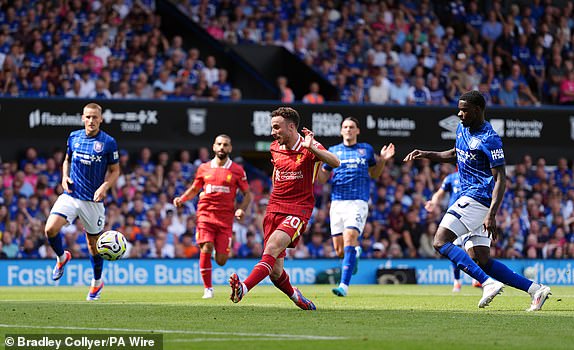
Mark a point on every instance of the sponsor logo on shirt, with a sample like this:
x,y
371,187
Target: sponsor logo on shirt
x,y
497,154
353,162
288,175
217,189
85,158
464,155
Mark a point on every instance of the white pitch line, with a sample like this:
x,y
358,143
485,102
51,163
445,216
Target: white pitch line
x,y
200,340
172,331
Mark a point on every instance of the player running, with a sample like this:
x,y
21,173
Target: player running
x,y
219,179
350,190
481,166
90,169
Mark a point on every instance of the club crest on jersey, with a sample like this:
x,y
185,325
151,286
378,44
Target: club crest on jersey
x,y
98,146
361,151
473,143
228,179
299,157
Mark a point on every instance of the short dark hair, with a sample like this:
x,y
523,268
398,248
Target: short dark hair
x,y
353,119
224,136
287,113
475,98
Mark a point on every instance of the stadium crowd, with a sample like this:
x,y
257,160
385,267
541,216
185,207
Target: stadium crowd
x,y
100,50
413,52
385,52
536,219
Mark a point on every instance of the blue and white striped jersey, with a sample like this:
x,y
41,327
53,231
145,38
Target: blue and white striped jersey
x,y
476,153
90,158
451,184
351,179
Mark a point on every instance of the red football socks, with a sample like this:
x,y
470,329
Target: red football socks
x,y
283,284
205,269
261,270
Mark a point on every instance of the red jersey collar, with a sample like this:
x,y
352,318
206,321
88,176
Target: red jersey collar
x,y
227,164
297,146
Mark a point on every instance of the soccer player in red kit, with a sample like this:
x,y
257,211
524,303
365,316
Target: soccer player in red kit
x,y
219,179
296,161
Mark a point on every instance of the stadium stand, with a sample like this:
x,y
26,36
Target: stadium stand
x,y
536,219
386,52
439,48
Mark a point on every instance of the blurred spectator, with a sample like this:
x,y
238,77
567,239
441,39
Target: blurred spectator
x,y
235,95
314,97
287,95
567,89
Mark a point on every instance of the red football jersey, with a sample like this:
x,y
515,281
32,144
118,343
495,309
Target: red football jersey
x,y
294,172
219,184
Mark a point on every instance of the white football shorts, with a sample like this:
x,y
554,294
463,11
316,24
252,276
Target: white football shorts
x,y
348,214
465,218
92,214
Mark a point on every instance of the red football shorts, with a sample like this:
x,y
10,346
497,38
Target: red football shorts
x,y
220,236
290,224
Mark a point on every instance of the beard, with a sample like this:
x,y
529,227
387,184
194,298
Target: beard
x,y
221,155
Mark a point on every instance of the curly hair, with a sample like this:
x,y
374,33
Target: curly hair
x,y
288,113
475,98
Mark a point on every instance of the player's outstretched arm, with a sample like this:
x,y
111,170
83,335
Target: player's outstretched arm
x,y
325,156
187,195
387,152
499,174
111,177
448,156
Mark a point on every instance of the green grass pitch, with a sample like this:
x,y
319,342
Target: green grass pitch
x,y
371,317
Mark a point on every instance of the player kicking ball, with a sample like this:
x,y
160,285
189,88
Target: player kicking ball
x,y
296,161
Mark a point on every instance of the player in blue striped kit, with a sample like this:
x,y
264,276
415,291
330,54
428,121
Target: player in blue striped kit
x,y
350,194
90,169
481,166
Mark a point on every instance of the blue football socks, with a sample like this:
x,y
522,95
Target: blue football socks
x,y
349,261
98,265
56,244
502,273
463,261
455,271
